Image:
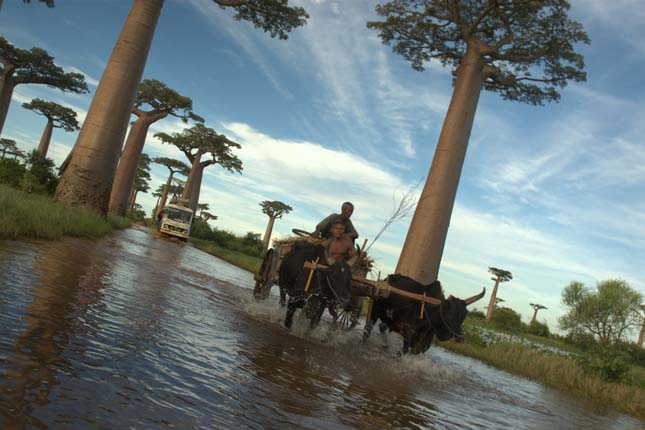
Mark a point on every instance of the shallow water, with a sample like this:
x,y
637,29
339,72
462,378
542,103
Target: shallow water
x,y
139,332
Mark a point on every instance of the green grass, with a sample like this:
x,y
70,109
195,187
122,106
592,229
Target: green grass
x,y
243,261
556,371
37,216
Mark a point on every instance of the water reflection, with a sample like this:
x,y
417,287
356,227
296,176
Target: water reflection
x,y
69,282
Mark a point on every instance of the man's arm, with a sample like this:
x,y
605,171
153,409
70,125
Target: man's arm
x,y
323,224
351,231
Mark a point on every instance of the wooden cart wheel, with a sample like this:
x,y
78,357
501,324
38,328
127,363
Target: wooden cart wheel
x,y
264,277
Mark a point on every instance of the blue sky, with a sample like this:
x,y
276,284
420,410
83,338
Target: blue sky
x,y
553,194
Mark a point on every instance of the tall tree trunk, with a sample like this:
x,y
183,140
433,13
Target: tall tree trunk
x,y
196,187
43,146
641,335
190,181
534,316
421,254
491,303
6,91
87,181
267,233
126,172
132,200
164,195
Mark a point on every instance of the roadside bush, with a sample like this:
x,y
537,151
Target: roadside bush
x,y
539,329
608,363
507,319
477,314
201,230
584,341
11,172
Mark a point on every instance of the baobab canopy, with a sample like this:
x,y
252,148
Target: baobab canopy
x,y
527,48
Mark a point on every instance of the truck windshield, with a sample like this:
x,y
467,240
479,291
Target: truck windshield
x,y
178,215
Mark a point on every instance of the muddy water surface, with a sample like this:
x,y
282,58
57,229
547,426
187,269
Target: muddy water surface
x,y
138,332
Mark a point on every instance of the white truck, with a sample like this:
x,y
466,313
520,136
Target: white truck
x,y
176,221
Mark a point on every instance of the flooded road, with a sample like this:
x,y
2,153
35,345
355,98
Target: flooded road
x,y
139,332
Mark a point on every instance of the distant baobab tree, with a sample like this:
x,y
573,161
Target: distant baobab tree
x,y
197,142
523,50
536,307
274,210
499,275
87,180
7,146
498,300
154,102
174,166
34,66
58,116
642,333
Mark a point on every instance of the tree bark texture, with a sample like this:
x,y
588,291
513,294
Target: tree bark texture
x,y
491,303
421,254
87,181
6,91
534,316
641,335
132,200
164,195
267,233
196,186
43,146
126,172
190,180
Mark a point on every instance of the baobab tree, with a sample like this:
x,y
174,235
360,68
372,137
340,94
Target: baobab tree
x,y
195,142
641,335
88,179
174,166
274,210
523,50
58,116
160,102
207,216
141,180
536,307
499,275
201,207
498,300
34,66
7,146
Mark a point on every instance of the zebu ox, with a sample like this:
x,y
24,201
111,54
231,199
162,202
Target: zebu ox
x,y
328,287
404,316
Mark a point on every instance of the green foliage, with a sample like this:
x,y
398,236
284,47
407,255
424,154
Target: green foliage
x,y
249,244
609,364
526,48
7,146
163,101
198,140
175,166
501,274
37,216
36,66
142,178
60,116
11,172
275,17
136,213
275,209
507,319
40,176
609,312
477,314
539,329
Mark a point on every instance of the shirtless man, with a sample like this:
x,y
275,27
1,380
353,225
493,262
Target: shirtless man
x,y
340,246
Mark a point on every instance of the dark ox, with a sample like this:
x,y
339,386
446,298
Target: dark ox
x,y
402,314
328,288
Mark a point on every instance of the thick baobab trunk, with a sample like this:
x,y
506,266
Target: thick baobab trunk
x,y
164,195
641,335
190,180
421,254
126,172
6,91
535,311
87,181
132,200
43,146
491,303
267,233
196,187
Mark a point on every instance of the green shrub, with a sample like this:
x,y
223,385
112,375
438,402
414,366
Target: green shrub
x,y
608,363
477,314
11,172
539,329
507,319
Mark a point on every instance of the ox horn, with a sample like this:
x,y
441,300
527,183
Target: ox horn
x,y
473,299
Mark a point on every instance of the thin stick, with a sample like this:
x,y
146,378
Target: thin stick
x,y
311,274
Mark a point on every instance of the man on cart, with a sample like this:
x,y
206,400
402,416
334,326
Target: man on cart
x,y
323,229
